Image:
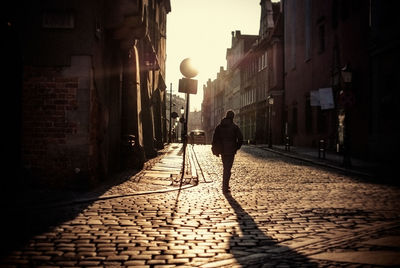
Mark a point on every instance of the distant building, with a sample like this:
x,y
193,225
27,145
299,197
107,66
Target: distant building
x,y
176,105
207,111
214,104
261,71
254,71
194,121
236,96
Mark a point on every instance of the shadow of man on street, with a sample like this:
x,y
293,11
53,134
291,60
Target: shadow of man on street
x,y
253,248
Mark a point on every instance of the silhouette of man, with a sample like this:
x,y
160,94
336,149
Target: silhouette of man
x,y
227,139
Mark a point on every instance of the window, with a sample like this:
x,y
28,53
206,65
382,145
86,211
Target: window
x,y
263,61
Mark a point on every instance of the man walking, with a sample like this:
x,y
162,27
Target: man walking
x,y
227,139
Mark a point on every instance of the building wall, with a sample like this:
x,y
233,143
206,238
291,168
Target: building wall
x,y
385,80
86,79
12,94
53,140
61,112
236,80
207,111
153,65
176,127
320,39
261,72
299,71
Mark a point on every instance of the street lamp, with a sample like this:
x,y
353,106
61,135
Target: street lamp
x,y
173,115
188,68
270,100
270,103
177,129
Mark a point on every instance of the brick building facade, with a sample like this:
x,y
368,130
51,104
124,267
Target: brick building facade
x,y
93,72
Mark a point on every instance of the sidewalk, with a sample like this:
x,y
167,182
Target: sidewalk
x,y
28,211
159,174
331,159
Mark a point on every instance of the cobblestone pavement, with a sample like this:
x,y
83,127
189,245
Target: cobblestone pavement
x,y
280,213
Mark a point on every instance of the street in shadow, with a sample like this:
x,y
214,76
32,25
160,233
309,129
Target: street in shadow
x,y
381,173
29,210
264,250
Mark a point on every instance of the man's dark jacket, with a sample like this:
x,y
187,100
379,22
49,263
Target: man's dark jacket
x,y
227,138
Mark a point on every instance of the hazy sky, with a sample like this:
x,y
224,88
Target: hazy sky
x,y
201,30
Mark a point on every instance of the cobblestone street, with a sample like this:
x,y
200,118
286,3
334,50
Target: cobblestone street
x,y
281,213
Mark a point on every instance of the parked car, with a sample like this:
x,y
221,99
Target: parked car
x,y
197,136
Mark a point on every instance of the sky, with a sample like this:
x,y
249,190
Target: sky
x,y
201,30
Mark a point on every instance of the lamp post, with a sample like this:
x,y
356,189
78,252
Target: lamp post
x,y
346,99
188,86
270,103
173,115
176,130
183,121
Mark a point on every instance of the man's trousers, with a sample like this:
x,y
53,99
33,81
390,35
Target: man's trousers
x,y
227,162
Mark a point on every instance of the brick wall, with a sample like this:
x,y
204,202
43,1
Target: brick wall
x,y
47,98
